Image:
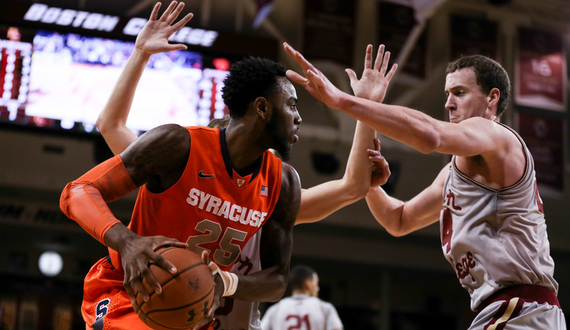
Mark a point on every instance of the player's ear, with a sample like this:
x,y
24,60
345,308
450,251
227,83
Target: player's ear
x,y
493,97
262,107
307,286
493,102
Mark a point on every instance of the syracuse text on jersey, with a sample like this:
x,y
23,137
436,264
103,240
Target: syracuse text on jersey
x,y
226,209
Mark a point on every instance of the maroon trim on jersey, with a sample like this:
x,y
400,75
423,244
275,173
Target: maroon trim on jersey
x,y
519,181
525,292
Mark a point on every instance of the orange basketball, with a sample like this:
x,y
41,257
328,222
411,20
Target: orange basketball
x,y
186,296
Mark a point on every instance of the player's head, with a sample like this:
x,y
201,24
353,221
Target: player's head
x,y
304,279
489,75
260,85
248,79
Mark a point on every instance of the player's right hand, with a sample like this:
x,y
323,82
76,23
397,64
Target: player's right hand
x,y
315,82
380,168
137,254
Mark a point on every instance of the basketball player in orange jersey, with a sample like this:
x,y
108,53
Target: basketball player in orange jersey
x,y
323,199
316,202
213,189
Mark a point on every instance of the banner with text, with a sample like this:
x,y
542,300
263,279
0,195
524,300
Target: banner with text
x,y
540,70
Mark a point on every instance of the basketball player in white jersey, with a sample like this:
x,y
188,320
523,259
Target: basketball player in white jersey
x,y
303,310
493,229
316,203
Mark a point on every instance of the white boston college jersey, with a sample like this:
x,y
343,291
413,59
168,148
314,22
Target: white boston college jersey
x,y
495,238
235,314
301,312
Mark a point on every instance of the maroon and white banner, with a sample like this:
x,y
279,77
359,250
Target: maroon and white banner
x,y
545,138
540,70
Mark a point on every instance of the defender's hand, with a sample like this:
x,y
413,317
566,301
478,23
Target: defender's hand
x,y
154,36
374,81
380,167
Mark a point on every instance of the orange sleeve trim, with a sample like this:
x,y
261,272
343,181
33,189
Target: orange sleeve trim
x,y
85,199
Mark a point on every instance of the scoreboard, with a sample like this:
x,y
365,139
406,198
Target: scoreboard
x,y
58,67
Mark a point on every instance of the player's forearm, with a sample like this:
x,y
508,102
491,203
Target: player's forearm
x,y
320,201
387,211
84,204
85,199
117,236
411,127
112,120
358,171
267,285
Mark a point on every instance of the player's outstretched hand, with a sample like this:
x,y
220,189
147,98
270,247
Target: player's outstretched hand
x,y
315,82
375,79
153,38
136,256
380,167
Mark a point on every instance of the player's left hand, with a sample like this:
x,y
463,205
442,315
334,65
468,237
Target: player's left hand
x,y
374,81
218,290
380,168
154,36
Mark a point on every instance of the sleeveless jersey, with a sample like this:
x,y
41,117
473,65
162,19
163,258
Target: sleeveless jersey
x,y
495,238
211,206
301,312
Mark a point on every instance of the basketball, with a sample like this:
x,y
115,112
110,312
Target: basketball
x,y
186,295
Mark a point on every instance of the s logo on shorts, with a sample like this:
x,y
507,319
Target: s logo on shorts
x,y
101,308
101,311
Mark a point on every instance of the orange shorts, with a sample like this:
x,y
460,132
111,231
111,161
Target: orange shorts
x,y
106,303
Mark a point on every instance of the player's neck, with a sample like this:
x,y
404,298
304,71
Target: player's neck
x,y
244,152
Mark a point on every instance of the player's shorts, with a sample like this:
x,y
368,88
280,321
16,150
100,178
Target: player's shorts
x,y
106,303
522,307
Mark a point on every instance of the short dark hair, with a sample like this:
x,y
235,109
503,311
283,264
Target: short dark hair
x,y
299,275
248,79
489,75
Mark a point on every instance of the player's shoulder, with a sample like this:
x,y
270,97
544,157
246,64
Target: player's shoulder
x,y
290,181
165,129
326,304
162,139
487,125
289,170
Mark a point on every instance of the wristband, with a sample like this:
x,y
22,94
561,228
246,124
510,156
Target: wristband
x,y
229,279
